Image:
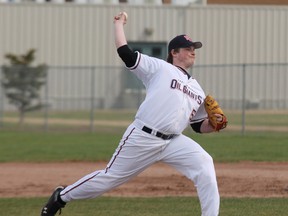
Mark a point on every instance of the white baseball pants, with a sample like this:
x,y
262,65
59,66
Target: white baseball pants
x,y
138,150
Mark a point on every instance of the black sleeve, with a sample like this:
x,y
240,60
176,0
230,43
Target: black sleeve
x,y
196,126
127,55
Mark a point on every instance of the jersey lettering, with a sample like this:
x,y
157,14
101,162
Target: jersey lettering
x,y
186,90
175,85
199,100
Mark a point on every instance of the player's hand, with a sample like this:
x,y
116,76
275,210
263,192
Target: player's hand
x,y
121,17
215,114
221,121
219,117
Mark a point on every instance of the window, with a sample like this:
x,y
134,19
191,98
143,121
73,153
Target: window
x,y
155,49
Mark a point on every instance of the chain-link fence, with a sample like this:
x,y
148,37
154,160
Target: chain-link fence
x,y
83,93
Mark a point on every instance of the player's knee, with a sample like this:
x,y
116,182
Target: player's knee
x,y
207,171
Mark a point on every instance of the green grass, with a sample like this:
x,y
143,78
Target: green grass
x,y
27,146
166,206
33,146
63,144
252,117
257,146
81,115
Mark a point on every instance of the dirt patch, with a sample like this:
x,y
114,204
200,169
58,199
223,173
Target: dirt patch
x,y
245,179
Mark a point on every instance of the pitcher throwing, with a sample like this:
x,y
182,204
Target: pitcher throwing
x,y
174,100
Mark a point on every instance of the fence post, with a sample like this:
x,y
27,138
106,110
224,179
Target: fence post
x,y
92,114
46,105
1,100
243,98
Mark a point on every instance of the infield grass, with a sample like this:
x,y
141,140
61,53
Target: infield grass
x,y
165,206
33,146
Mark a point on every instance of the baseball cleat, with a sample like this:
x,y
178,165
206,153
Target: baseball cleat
x,y
53,205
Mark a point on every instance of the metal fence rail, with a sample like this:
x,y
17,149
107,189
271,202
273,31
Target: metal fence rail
x,y
253,86
236,87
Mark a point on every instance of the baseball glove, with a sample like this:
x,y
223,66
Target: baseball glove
x,y
212,107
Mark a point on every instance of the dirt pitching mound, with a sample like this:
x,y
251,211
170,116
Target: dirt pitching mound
x,y
245,179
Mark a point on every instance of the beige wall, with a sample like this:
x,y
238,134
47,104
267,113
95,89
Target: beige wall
x,y
82,35
245,2
72,34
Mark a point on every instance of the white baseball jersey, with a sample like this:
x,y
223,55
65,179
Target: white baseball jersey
x,y
172,102
169,85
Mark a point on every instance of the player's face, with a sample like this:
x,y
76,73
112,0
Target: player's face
x,y
185,57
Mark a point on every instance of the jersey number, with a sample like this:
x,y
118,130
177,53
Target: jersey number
x,y
193,113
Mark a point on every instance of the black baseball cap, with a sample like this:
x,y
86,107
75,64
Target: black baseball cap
x,y
183,41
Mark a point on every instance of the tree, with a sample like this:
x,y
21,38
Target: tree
x,y
22,82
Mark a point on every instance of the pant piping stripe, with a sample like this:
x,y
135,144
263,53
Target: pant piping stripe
x,y
79,184
124,142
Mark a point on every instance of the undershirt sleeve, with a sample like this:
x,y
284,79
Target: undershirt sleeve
x,y
127,55
196,126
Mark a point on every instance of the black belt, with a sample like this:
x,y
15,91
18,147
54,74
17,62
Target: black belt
x,y
159,134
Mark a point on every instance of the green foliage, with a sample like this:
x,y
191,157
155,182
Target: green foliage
x,y
22,82
164,206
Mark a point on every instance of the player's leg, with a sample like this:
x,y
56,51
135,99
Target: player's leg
x,y
136,151
134,154
195,163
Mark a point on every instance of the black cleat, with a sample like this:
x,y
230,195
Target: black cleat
x,y
53,205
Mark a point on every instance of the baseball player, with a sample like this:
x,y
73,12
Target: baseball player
x,y
174,100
